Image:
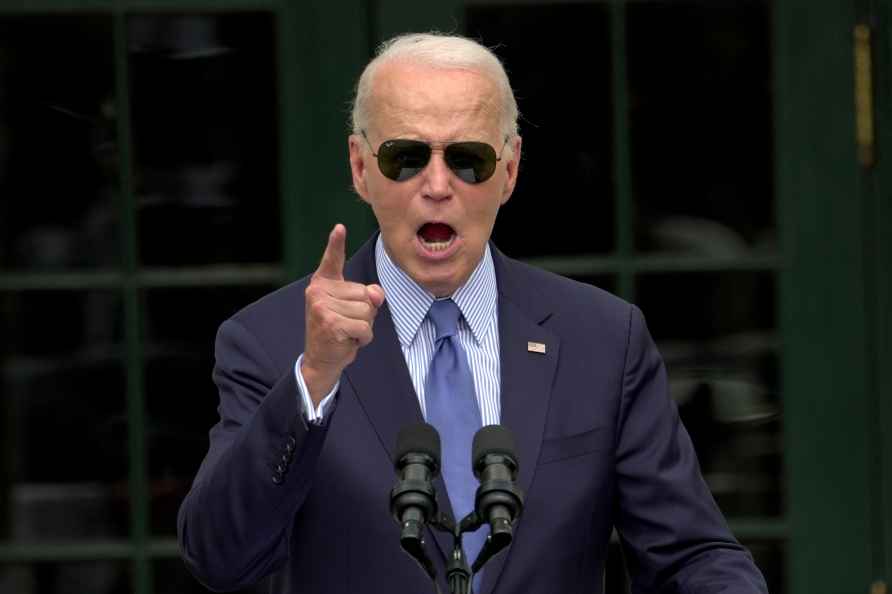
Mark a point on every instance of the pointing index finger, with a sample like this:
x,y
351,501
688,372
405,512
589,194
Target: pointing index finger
x,y
332,264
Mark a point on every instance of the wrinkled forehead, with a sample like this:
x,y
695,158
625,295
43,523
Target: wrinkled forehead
x,y
439,104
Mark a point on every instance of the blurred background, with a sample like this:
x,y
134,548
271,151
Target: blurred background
x,y
720,163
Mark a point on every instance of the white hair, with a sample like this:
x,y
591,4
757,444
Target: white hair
x,y
438,50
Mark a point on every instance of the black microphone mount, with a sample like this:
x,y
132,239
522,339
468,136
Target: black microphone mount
x,y
498,500
413,499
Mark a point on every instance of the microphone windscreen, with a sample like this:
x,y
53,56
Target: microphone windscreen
x,y
493,439
420,438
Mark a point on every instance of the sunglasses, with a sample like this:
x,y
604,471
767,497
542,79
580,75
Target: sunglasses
x,y
401,159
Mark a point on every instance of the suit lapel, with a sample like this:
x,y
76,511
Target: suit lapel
x,y
381,383
526,380
378,376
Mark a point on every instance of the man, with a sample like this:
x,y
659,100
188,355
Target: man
x,y
317,378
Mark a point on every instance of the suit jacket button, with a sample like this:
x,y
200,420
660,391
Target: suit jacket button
x,y
289,446
277,479
286,458
280,469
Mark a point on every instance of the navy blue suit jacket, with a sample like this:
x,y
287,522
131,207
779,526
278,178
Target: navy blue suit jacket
x,y
599,441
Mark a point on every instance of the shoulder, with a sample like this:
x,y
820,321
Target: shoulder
x,y
281,304
573,302
273,325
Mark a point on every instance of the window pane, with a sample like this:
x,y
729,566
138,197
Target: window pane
x,y
93,577
205,123
63,416
717,333
563,203
701,126
181,399
58,151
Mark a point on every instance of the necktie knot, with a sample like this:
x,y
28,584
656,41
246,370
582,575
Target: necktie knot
x,y
445,314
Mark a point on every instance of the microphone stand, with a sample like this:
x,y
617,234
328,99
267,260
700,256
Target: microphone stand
x,y
458,574
498,500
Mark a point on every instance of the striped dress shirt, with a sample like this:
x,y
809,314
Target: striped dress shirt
x,y
478,332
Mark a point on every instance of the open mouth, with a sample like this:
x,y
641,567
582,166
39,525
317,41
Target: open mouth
x,y
436,237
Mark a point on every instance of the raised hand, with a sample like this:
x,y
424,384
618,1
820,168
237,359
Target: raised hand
x,y
339,318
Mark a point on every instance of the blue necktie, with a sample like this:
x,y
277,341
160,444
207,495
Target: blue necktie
x,y
452,408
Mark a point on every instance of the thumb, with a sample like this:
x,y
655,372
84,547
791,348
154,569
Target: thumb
x,y
375,294
332,264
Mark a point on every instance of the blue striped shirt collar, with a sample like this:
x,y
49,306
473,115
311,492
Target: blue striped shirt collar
x,y
409,302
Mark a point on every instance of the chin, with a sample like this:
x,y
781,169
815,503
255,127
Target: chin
x,y
438,285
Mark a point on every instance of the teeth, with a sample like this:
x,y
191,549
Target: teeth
x,y
437,246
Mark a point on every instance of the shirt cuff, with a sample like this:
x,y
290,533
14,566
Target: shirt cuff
x,y
315,415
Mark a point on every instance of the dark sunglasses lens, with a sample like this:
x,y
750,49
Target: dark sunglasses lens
x,y
473,162
401,159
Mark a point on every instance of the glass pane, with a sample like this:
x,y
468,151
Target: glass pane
x,y
701,127
204,107
58,151
93,577
718,335
563,203
172,577
181,398
63,414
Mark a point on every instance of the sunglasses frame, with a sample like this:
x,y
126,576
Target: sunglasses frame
x,y
431,146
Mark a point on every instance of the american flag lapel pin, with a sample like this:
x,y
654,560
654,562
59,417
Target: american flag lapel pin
x,y
536,347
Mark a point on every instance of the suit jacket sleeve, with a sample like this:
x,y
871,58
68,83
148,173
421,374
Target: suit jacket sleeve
x,y
234,525
674,535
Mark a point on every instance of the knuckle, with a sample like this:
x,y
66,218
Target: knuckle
x,y
318,309
330,323
313,291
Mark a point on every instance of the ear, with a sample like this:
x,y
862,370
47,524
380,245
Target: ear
x,y
359,161
512,168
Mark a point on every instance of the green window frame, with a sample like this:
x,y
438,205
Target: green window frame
x,y
838,527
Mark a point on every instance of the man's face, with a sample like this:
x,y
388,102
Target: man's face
x,y
434,225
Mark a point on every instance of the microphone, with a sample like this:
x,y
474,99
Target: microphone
x,y
498,501
413,499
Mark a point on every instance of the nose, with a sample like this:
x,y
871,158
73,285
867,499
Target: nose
x,y
437,177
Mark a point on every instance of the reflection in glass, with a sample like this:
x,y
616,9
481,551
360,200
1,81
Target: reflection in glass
x,y
204,107
563,203
701,127
58,156
45,577
181,399
718,335
62,414
172,577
